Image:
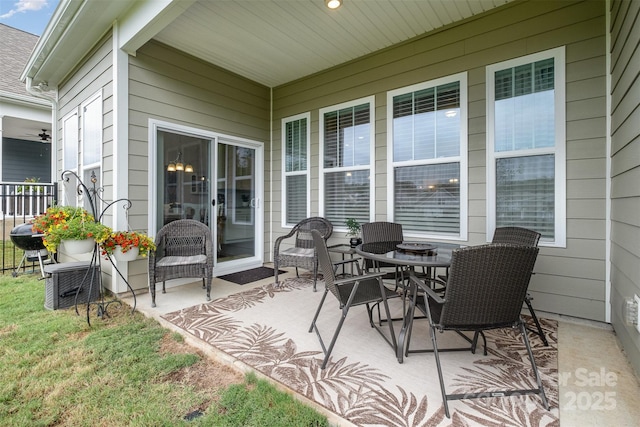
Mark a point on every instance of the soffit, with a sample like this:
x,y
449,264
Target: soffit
x,y
267,41
275,42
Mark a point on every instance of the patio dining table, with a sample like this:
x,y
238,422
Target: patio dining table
x,y
426,255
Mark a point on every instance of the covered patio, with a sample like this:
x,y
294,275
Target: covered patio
x,y
283,351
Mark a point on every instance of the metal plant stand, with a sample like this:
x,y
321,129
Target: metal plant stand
x,y
92,196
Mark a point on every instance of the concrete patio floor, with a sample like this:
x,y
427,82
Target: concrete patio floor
x,y
597,386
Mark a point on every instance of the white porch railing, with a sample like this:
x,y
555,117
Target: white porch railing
x,y
19,203
25,200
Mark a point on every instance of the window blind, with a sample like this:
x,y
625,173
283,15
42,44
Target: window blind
x,y
346,137
528,129
525,193
347,145
347,195
296,171
426,123
525,107
296,198
427,198
426,128
296,146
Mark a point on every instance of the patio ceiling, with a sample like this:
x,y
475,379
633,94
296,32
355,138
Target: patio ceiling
x,y
275,42
28,130
270,42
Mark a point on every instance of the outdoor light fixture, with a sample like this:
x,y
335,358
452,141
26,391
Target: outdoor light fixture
x,y
177,165
333,4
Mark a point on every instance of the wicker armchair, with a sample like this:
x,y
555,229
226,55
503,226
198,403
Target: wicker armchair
x,y
184,248
303,253
351,291
485,290
524,237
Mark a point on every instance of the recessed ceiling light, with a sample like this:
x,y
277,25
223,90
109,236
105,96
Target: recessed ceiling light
x,y
333,4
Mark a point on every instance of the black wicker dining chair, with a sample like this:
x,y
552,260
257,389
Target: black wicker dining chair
x,y
303,253
362,289
516,236
525,237
184,249
485,290
384,231
381,231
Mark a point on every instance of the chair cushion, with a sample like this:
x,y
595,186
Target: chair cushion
x,y
301,252
170,261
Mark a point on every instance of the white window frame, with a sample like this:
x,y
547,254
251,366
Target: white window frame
x,y
372,160
70,159
462,158
558,150
285,174
95,99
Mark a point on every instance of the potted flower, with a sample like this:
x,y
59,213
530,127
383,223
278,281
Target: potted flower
x,y
127,245
67,223
353,229
28,189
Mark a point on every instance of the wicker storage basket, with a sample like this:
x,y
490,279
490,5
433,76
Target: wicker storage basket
x,y
63,280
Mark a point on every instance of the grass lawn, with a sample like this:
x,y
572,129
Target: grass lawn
x,y
122,370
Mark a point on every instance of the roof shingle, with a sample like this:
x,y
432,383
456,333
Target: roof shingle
x,y
15,48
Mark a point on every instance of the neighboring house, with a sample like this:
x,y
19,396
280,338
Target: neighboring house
x,y
522,113
25,154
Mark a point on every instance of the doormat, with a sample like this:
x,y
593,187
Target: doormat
x,y
248,276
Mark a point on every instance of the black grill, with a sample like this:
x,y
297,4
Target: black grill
x,y
26,239
23,237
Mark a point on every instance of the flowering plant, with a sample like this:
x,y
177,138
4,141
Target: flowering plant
x,y
68,223
127,240
30,189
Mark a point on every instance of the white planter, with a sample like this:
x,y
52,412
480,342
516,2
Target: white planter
x,y
130,255
74,247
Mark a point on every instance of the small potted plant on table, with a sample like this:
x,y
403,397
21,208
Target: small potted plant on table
x,y
353,229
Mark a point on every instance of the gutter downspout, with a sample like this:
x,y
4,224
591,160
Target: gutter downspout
x,y
43,91
607,283
271,174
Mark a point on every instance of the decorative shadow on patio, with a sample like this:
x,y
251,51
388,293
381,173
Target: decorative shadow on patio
x,y
267,328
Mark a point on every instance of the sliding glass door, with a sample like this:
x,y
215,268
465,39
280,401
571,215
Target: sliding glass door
x,y
215,181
